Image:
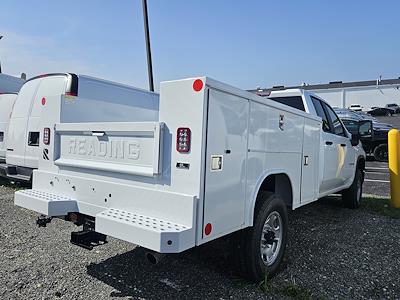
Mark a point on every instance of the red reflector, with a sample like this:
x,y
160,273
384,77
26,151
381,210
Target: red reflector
x,y
43,101
71,94
183,136
208,229
46,136
198,85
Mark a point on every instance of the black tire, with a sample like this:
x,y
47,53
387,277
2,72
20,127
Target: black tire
x,y
246,244
352,196
381,153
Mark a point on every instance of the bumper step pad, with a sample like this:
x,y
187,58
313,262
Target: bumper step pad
x,y
48,204
152,233
161,235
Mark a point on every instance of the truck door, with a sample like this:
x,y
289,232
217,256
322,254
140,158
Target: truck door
x,y
331,157
346,153
226,156
311,161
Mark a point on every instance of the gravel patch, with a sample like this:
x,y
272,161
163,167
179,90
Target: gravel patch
x,y
333,252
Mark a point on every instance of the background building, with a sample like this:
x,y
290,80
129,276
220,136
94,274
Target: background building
x,y
342,94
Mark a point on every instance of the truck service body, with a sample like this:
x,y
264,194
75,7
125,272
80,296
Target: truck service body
x,y
101,97
218,160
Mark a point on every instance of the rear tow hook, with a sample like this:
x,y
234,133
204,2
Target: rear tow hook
x,y
42,221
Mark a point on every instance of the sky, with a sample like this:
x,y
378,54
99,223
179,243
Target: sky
x,y
247,44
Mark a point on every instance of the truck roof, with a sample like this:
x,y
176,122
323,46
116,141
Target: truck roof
x,y
256,96
73,83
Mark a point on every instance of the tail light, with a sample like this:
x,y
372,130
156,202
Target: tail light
x,y
46,136
183,140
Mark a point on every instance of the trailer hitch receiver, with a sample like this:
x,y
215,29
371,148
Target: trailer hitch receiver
x,y
88,237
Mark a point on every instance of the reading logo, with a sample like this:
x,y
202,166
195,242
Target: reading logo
x,y
117,149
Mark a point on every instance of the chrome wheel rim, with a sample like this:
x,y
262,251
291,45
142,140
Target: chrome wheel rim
x,y
271,238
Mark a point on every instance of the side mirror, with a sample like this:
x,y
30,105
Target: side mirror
x,y
365,129
355,139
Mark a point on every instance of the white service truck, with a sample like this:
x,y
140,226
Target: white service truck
x,y
97,97
218,160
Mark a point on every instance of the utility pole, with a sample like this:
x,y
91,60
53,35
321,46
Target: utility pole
x,y
148,49
0,60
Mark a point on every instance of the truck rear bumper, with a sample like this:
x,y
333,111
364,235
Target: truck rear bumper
x,y
163,235
15,173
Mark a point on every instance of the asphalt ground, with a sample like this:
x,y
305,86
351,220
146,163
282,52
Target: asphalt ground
x,y
377,181
332,253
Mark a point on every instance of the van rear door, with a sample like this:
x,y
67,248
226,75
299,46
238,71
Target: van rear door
x,y
6,105
19,122
50,89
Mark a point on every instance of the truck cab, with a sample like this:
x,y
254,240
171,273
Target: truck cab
x,y
339,148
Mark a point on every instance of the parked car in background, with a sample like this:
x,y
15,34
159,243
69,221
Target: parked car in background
x,y
374,144
381,111
393,106
356,107
345,113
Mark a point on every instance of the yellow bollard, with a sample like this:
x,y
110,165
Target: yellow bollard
x,y
394,166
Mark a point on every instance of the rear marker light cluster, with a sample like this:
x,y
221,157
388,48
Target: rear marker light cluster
x,y
46,136
183,140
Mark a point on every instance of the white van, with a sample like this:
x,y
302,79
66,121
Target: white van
x,y
6,106
83,97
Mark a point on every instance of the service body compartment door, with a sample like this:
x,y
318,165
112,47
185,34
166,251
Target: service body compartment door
x,y
310,163
226,156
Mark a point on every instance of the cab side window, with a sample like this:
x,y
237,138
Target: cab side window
x,y
335,122
321,113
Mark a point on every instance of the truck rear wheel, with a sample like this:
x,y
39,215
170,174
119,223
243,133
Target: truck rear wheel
x,y
258,250
381,153
352,196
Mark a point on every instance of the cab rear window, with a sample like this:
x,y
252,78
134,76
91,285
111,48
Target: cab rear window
x,y
292,101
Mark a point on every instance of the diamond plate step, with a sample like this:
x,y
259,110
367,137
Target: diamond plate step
x,y
45,203
153,233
